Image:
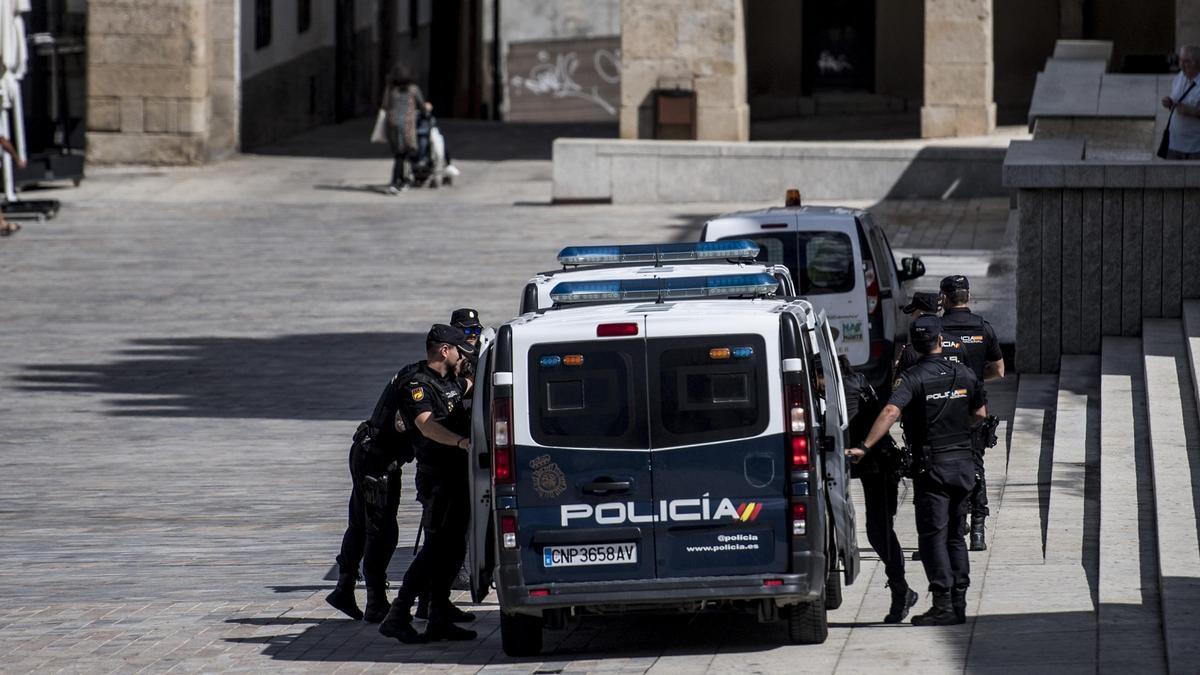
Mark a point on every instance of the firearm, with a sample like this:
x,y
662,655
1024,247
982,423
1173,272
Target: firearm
x,y
983,435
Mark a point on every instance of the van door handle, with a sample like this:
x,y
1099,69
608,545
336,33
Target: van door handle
x,y
607,487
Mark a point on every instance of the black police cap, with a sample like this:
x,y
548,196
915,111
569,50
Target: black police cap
x,y
956,282
925,328
925,302
465,318
451,335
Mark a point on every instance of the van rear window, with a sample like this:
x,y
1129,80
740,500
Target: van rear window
x,y
821,262
707,389
588,394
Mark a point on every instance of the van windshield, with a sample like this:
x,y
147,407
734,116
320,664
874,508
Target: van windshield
x,y
821,262
707,389
588,394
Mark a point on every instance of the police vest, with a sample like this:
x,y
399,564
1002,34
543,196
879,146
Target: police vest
x,y
944,424
388,432
449,411
964,340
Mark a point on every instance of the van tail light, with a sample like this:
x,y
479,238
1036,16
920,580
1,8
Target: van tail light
x,y
616,330
502,441
508,531
797,430
872,287
799,519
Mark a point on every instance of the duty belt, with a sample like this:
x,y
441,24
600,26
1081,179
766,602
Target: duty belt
x,y
950,456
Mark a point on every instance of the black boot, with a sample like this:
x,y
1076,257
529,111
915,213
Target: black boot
x,y
342,597
958,598
447,631
940,614
422,612
903,598
377,604
978,541
398,623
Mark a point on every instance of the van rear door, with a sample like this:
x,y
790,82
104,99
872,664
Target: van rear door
x,y
482,545
582,461
719,465
837,473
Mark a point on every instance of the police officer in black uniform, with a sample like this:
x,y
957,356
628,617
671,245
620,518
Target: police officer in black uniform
x,y
381,446
939,400
970,340
433,399
922,304
880,485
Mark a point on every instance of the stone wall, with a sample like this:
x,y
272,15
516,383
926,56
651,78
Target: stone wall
x,y
958,69
1101,246
687,45
150,78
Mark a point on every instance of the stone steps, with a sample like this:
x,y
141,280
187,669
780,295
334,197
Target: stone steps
x,y
1175,455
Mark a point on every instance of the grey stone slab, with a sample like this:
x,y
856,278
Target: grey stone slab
x,y
1091,50
1152,253
1051,296
1072,272
1166,175
1065,94
1083,175
1172,253
1075,453
1125,175
1127,582
1175,446
1191,244
1113,211
579,173
1092,271
1087,67
1029,281
1128,96
1131,262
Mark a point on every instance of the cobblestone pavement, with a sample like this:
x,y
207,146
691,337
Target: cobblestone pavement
x,y
186,355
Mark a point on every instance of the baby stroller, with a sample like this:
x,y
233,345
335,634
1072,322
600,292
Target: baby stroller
x,y
430,167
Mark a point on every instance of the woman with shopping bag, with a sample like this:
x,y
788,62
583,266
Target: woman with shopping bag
x,y
396,124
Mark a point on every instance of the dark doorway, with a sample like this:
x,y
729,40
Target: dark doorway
x,y
344,51
455,76
839,45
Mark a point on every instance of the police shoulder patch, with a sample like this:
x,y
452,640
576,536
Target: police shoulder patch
x,y
417,393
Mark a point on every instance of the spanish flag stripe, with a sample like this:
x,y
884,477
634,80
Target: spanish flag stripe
x,y
757,509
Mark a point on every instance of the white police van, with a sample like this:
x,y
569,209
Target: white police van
x,y
660,447
841,262
649,261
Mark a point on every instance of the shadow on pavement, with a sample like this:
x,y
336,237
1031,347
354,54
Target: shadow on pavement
x,y
322,376
465,140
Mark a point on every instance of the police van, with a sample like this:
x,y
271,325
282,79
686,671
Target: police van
x,y
649,261
661,447
841,261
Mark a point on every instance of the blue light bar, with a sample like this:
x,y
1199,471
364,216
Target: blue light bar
x,y
550,361
668,288
743,352
739,249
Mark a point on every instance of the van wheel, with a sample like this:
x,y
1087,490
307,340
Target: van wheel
x,y
833,589
521,634
808,623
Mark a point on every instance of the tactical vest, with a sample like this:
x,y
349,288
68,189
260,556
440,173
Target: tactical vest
x,y
964,337
945,410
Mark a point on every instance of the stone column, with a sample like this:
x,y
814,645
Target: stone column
x,y
151,77
1187,22
688,44
958,69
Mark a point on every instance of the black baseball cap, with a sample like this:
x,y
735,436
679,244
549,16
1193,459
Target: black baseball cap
x,y
451,335
925,328
923,301
464,318
956,282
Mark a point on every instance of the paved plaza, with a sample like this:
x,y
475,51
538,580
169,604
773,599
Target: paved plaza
x,y
187,352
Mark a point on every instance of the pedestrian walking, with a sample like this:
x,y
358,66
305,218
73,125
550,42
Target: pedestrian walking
x,y
1181,137
404,105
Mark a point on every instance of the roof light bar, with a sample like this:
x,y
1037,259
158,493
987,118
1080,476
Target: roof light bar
x,y
657,253
676,288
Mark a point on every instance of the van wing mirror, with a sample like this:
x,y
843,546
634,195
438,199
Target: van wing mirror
x,y
911,268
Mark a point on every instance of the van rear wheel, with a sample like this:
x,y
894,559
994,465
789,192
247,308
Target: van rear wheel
x,y
808,623
521,634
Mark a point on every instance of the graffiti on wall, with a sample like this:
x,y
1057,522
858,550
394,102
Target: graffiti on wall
x,y
564,80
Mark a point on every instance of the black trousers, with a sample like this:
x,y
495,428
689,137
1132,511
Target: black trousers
x,y
371,533
941,501
445,516
979,499
880,496
402,168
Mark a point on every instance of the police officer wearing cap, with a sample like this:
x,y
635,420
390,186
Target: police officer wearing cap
x,y
922,304
970,340
939,401
432,398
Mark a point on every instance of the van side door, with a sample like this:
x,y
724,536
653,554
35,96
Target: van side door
x,y
837,473
481,543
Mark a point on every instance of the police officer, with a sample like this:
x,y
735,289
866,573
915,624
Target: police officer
x,y
923,303
939,401
970,340
880,485
381,446
466,319
432,398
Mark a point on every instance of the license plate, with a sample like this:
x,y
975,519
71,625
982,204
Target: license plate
x,y
591,554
